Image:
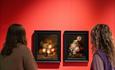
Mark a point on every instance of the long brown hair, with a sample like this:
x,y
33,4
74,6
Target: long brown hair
x,y
16,34
101,38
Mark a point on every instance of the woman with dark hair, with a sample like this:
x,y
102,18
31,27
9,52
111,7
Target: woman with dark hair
x,y
103,48
15,55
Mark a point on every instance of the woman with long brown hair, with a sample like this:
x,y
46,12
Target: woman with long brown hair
x,y
103,48
15,55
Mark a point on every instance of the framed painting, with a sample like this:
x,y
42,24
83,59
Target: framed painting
x,y
46,46
75,46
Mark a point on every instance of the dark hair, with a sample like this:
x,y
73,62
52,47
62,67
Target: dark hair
x,y
101,37
16,34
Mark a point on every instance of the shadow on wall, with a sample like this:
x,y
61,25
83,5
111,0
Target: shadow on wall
x,y
48,65
99,7
10,8
75,64
56,65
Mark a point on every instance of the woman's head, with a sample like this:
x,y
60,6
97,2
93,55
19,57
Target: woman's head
x,y
16,34
101,38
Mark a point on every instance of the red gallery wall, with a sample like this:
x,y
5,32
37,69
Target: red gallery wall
x,y
60,15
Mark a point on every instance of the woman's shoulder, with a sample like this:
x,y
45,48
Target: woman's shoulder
x,y
96,57
23,48
99,56
104,58
97,63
